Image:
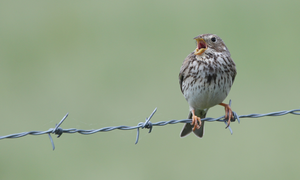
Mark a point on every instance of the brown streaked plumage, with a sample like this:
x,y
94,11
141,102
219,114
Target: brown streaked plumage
x,y
205,79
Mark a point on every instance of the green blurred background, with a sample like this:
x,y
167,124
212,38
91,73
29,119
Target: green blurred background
x,y
111,63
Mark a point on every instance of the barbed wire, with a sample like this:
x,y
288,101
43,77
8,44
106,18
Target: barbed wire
x,y
147,124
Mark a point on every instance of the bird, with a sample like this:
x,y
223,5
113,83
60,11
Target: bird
x,y
205,79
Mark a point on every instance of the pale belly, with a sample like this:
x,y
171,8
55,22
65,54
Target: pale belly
x,y
204,96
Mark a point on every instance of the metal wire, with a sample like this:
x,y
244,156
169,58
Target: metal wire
x,y
147,124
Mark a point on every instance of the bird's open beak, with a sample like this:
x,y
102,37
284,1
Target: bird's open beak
x,y
201,46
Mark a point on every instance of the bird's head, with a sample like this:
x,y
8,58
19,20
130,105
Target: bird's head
x,y
209,42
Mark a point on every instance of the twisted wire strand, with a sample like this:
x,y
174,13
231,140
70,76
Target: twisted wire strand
x,y
147,124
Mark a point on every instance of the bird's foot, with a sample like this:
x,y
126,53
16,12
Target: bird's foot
x,y
228,113
195,120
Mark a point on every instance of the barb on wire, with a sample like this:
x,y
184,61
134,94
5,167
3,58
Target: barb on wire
x,y
57,130
147,124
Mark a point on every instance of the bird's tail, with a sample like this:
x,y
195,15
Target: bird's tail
x,y
187,128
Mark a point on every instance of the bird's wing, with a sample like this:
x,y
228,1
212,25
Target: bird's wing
x,y
183,72
233,70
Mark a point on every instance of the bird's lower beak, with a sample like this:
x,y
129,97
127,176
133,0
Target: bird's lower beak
x,y
201,46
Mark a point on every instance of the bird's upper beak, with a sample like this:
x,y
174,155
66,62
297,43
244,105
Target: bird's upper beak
x,y
201,46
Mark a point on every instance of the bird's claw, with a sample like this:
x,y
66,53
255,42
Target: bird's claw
x,y
195,120
228,115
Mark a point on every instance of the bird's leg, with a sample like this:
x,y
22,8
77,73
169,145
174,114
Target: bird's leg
x,y
195,120
228,113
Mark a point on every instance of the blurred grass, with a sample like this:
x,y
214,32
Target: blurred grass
x,y
111,63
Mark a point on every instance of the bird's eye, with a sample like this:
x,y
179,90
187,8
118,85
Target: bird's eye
x,y
213,39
